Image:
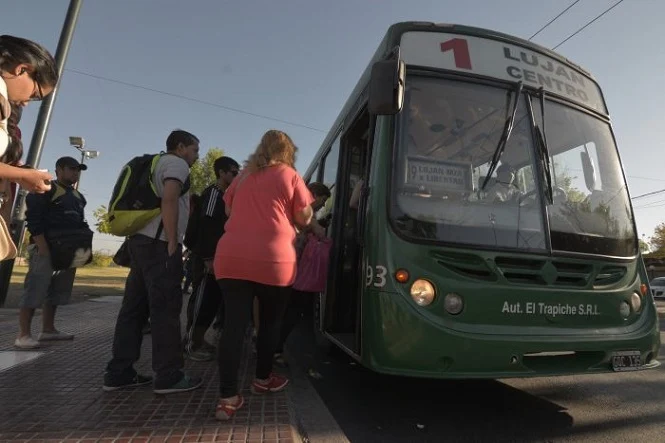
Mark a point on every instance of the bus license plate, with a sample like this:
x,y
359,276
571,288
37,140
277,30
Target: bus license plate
x,y
626,361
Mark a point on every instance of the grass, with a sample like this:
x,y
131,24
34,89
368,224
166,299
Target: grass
x,y
90,281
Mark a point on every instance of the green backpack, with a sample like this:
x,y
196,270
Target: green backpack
x,y
134,201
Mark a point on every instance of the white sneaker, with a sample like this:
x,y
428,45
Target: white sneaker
x,y
26,342
55,335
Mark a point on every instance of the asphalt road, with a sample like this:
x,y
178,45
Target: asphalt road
x,y
592,408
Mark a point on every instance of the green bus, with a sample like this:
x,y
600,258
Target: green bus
x,y
491,234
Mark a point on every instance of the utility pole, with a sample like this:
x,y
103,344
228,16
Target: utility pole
x,y
38,138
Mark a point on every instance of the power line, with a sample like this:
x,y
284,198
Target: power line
x,y
648,194
554,19
228,108
646,178
653,204
649,207
196,100
571,36
589,23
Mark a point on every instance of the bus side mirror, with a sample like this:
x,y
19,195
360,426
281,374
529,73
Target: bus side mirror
x,y
386,87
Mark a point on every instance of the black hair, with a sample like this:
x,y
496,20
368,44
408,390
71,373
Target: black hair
x,y
15,51
225,164
179,136
319,189
14,150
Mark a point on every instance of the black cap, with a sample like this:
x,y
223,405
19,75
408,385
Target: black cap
x,y
70,162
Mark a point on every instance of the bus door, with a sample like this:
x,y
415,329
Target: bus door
x,y
341,318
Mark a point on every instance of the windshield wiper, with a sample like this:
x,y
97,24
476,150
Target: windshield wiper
x,y
503,141
543,150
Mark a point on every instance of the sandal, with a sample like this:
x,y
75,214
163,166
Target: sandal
x,y
225,411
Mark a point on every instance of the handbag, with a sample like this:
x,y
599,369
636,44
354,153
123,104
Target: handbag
x,y
7,246
122,257
70,248
312,272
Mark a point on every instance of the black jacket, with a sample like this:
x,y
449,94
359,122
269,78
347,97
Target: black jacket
x,y
63,207
210,223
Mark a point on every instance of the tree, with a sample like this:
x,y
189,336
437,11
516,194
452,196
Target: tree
x,y
658,239
202,173
564,180
644,247
102,224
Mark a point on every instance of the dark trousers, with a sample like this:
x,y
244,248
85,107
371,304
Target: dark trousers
x,y
189,274
204,304
238,300
152,288
299,302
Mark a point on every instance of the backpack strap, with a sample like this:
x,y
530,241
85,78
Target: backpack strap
x,y
160,228
57,191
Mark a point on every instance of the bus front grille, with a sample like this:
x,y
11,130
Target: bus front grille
x,y
466,265
530,271
544,272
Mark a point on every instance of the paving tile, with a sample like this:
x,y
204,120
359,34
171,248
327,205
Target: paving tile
x,y
56,395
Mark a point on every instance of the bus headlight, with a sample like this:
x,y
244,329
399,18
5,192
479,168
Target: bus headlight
x,y
636,301
422,292
453,303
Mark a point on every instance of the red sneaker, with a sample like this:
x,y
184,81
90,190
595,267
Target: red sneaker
x,y
225,411
274,383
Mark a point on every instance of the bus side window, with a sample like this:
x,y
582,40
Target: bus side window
x,y
315,175
330,167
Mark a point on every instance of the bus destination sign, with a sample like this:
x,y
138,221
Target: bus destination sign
x,y
494,58
438,175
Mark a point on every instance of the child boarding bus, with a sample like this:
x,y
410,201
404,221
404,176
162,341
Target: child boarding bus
x,y
493,235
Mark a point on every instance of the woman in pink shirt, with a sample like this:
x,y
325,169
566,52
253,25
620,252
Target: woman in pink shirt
x,y
256,258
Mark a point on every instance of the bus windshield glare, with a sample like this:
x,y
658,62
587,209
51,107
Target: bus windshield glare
x,y
447,134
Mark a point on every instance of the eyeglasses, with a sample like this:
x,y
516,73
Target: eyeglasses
x,y
37,94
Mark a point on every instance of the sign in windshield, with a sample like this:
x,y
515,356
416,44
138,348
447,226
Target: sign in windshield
x,y
438,175
484,56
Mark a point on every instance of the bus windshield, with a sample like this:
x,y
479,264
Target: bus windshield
x,y
447,135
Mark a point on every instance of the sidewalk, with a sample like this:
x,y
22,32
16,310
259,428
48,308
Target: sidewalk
x,y
55,394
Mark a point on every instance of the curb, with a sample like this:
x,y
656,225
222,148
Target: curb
x,y
311,419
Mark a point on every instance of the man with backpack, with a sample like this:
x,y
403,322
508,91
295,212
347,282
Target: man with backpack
x,y
206,226
51,216
153,286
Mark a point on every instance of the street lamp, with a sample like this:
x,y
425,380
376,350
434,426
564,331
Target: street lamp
x,y
79,143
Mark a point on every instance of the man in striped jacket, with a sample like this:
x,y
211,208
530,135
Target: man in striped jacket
x,y
206,299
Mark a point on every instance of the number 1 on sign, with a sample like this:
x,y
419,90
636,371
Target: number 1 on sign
x,y
460,48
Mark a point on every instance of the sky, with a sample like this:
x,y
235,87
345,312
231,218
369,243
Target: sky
x,y
252,65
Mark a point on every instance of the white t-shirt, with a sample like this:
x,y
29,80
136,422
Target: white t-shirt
x,y
174,168
4,135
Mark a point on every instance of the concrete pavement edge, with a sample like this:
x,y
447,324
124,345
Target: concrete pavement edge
x,y
312,421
